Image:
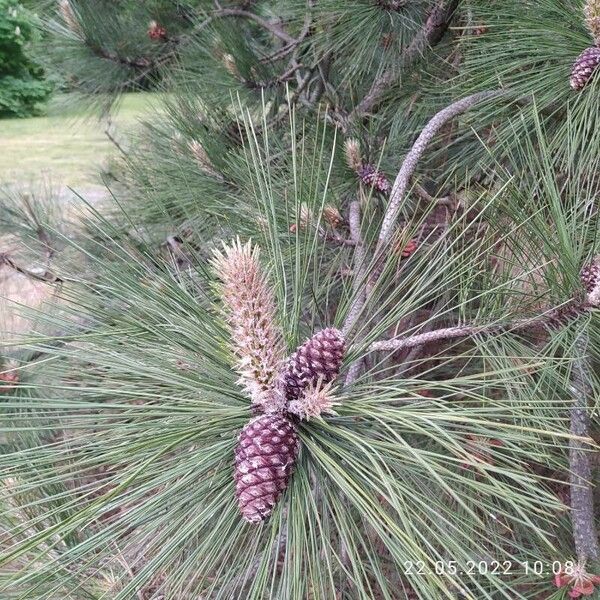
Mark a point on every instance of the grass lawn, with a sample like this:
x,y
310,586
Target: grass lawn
x,y
68,146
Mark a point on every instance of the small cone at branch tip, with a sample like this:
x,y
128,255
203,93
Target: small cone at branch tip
x,y
249,307
584,68
314,401
318,359
156,31
8,381
590,278
265,456
371,176
352,152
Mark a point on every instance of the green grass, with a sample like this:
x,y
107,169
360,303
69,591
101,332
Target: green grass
x,y
68,146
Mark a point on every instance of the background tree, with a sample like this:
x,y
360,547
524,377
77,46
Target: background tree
x,y
22,85
408,345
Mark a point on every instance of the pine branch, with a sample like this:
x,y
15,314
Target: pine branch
x,y
268,25
551,318
585,533
359,291
135,63
40,230
430,34
401,184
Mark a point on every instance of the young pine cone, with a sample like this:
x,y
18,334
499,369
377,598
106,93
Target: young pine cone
x,y
319,358
264,460
584,67
373,177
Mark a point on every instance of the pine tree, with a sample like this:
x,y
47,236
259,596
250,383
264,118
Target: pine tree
x,y
385,384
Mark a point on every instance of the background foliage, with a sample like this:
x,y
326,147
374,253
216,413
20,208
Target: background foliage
x,y
22,85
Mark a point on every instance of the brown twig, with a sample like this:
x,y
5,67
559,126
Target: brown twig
x,y
46,277
112,139
268,25
425,195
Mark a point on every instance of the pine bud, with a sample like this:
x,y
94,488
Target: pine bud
x,y
332,215
373,177
318,359
584,67
590,278
406,248
202,159
352,151
306,218
230,65
249,307
69,17
264,460
592,18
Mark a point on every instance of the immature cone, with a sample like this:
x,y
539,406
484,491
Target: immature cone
x,y
264,460
8,381
156,31
373,177
584,67
319,358
590,278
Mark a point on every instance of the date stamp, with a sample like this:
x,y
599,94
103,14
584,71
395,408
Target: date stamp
x,y
491,567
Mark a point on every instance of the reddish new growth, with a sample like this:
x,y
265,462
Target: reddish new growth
x,y
8,381
406,249
578,579
156,31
